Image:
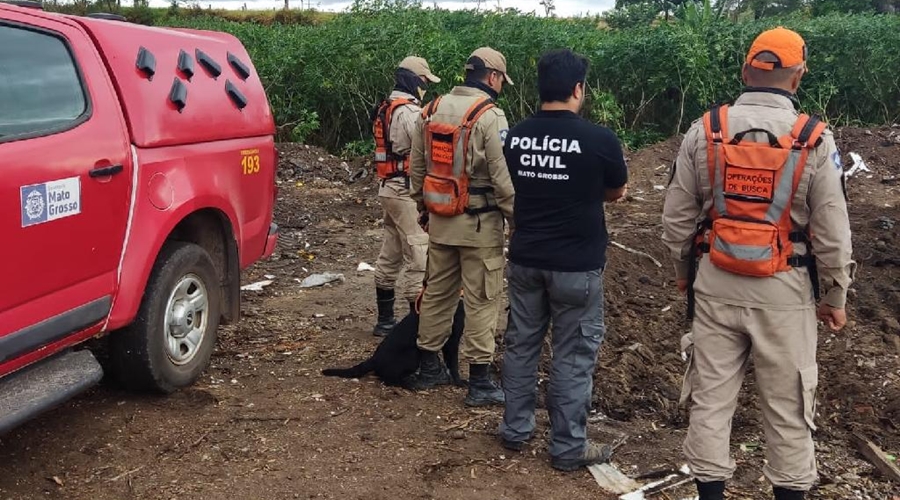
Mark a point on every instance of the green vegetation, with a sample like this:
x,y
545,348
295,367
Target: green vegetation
x,y
646,82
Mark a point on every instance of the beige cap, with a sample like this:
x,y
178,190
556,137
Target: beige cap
x,y
419,66
492,60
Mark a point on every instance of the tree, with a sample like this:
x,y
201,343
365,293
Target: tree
x,y
667,7
549,7
821,7
632,15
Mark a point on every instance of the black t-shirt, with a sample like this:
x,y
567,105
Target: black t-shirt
x,y
561,166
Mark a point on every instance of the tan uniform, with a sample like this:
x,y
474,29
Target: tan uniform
x,y
401,263
466,251
771,318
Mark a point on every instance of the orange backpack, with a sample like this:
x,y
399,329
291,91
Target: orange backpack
x,y
749,226
387,163
446,186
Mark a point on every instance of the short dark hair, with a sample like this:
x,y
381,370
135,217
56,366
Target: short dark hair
x,y
478,75
480,72
559,71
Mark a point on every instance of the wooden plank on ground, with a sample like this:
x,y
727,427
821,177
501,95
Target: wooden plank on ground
x,y
876,457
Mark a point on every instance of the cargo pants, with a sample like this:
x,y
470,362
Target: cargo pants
x,y
401,263
478,271
783,346
573,303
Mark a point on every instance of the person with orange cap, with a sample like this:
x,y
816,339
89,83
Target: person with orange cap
x,y
401,262
755,212
461,183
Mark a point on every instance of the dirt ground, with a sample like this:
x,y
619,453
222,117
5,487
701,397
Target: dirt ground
x,y
264,424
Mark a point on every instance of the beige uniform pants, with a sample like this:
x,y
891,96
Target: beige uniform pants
x,y
401,263
479,272
783,346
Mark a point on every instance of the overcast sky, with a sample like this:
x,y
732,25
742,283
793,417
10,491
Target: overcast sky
x,y
563,7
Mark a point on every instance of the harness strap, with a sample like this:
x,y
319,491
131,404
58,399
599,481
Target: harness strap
x,y
429,110
476,111
717,123
798,237
808,130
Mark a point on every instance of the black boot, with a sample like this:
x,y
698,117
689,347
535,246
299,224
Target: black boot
x,y
432,372
786,494
483,391
386,321
714,490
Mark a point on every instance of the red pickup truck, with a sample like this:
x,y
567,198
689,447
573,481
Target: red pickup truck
x,y
137,180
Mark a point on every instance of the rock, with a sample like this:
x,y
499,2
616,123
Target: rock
x,y
881,245
891,325
893,342
458,434
850,477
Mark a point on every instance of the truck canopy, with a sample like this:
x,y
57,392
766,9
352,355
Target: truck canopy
x,y
181,86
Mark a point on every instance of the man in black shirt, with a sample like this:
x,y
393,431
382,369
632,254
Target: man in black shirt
x,y
563,168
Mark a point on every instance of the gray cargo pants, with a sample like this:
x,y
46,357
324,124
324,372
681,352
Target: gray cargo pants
x,y
573,303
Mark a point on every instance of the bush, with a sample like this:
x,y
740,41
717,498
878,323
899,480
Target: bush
x,y
645,82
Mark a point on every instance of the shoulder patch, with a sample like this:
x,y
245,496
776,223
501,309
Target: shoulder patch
x,y
503,134
836,159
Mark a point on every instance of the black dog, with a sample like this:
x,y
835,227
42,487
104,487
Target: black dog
x,y
396,359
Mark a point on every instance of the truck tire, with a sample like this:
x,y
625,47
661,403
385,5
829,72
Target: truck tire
x,y
170,342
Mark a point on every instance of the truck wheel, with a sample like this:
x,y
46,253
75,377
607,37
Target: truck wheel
x,y
170,342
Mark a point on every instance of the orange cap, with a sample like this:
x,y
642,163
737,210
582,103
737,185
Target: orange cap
x,y
787,46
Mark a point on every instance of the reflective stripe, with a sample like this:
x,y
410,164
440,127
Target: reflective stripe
x,y
439,198
718,187
744,252
380,157
784,189
458,153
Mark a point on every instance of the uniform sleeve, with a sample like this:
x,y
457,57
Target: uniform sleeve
x,y
403,127
683,202
829,225
615,172
495,136
417,162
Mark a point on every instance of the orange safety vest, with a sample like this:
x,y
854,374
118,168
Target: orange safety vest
x,y
387,163
748,230
445,188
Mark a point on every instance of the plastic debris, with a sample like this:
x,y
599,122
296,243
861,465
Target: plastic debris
x,y
611,479
315,280
670,482
364,267
749,447
858,166
636,252
256,287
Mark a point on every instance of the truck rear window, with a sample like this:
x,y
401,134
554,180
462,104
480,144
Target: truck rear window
x,y
40,89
